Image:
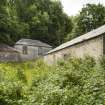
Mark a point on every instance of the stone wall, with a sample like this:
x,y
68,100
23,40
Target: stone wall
x,y
9,56
33,52
92,47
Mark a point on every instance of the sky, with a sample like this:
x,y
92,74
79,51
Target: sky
x,y
72,7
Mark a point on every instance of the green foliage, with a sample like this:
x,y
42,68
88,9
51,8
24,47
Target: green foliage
x,y
71,82
91,17
36,19
11,29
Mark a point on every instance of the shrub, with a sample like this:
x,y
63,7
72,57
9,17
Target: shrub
x,y
71,82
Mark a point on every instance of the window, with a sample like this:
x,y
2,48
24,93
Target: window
x,y
25,50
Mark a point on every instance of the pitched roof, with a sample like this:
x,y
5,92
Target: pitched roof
x,y
31,42
89,35
6,48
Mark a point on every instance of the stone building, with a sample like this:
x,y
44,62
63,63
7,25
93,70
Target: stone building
x,y
91,44
8,53
31,49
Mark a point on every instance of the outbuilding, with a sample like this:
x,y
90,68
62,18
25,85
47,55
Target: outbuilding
x,y
31,49
91,44
8,53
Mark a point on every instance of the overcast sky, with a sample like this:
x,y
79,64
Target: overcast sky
x,y
72,7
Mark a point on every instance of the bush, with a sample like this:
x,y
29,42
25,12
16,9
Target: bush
x,y
74,82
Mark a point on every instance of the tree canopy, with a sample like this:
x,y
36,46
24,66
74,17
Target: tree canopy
x,y
36,19
91,17
45,20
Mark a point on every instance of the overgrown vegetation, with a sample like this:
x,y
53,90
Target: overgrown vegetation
x,y
72,82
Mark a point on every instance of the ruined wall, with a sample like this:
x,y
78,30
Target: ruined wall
x,y
33,52
9,56
92,47
46,49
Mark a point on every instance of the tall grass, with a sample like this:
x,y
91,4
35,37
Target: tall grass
x,y
71,82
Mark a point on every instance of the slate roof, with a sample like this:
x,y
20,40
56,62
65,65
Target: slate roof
x,y
6,48
89,35
31,42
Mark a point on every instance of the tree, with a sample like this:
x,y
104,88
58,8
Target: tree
x,y
46,20
10,28
91,17
36,19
